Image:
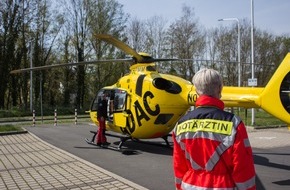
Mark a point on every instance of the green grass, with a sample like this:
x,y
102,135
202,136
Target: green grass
x,y
262,118
10,128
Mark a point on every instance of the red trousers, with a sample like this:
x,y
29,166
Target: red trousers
x,y
101,137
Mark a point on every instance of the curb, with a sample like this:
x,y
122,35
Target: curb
x,y
252,128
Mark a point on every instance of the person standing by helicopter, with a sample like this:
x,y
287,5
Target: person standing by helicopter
x,y
211,146
102,115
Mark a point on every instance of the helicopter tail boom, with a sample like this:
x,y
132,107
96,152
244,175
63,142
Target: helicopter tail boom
x,y
274,98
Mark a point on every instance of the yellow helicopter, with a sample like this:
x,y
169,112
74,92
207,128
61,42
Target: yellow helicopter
x,y
146,104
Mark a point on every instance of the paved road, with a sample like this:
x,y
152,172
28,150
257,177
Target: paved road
x,y
271,149
151,166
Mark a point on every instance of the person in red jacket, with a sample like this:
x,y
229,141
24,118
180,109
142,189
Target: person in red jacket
x,y
211,146
102,115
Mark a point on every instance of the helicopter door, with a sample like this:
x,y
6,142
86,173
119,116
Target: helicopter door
x,y
120,119
119,107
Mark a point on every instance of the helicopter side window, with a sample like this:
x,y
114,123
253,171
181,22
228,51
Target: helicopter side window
x,y
94,106
116,100
167,85
119,101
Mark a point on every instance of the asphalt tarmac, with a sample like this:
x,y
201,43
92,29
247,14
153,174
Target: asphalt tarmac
x,y
150,166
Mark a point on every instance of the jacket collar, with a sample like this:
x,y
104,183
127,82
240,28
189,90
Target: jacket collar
x,y
205,100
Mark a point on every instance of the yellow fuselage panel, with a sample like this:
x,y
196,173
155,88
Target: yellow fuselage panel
x,y
149,104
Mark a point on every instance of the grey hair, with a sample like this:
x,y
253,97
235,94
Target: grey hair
x,y
208,82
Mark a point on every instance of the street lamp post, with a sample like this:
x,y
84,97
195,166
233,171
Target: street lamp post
x,y
252,49
239,46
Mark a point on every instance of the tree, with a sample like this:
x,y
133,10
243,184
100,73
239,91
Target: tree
x,y
187,40
68,72
107,17
32,25
86,19
149,36
155,36
76,17
269,53
224,46
9,34
23,55
136,34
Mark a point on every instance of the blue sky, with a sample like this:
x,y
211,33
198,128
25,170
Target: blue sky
x,y
270,15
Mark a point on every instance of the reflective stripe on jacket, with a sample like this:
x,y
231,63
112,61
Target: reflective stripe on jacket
x,y
212,149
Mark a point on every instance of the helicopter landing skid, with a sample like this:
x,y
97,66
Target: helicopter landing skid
x,y
102,146
119,147
92,142
122,139
125,138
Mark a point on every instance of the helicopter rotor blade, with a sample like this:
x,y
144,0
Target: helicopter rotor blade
x,y
159,60
137,58
69,64
121,45
127,49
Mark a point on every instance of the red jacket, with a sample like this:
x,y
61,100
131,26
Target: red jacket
x,y
212,149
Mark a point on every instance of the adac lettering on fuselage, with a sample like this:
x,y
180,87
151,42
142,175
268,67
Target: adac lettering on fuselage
x,y
207,125
140,112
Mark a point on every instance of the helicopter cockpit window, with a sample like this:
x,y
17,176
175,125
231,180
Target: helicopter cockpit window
x,y
94,105
285,92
